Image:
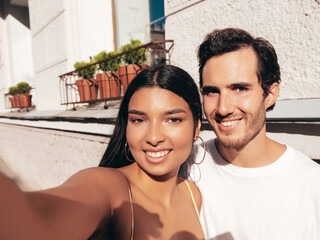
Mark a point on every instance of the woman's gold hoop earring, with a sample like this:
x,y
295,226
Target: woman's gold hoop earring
x,y
204,154
125,152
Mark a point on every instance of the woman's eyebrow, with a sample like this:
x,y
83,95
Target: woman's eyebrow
x,y
174,111
137,112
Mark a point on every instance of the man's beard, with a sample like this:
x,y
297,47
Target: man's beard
x,y
252,129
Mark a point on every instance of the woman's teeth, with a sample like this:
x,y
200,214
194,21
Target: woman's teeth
x,y
157,154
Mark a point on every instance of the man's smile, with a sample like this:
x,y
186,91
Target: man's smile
x,y
229,123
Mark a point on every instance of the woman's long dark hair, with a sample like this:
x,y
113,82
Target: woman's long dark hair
x,y
166,77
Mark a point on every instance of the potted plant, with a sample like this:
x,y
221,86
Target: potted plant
x,y
87,86
134,62
107,79
24,96
13,91
21,96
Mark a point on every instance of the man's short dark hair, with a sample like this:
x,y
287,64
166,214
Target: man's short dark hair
x,y
227,40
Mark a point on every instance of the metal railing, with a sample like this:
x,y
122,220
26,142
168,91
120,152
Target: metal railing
x,y
108,85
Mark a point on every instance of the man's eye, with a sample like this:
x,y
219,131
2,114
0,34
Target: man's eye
x,y
209,91
241,89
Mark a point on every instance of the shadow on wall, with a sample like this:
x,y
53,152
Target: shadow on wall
x,y
20,13
310,129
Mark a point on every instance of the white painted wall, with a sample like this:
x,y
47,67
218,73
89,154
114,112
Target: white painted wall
x,y
20,52
63,32
16,63
132,19
95,28
4,63
292,26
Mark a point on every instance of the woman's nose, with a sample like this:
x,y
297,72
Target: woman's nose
x,y
154,134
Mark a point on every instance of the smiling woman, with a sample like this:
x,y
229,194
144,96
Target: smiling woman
x,y
159,131
143,198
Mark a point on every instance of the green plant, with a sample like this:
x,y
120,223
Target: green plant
x,y
111,64
24,87
99,57
139,56
114,62
13,90
20,88
85,70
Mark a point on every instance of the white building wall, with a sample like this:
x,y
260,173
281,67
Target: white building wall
x,y
292,26
63,32
20,52
132,19
4,63
49,50
95,28
15,49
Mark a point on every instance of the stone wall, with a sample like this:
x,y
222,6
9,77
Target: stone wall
x,y
40,158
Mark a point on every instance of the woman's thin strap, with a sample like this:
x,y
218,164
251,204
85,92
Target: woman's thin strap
x,y
132,214
192,197
195,206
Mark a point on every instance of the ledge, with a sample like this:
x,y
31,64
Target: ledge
x,y
301,110
92,119
94,113
289,116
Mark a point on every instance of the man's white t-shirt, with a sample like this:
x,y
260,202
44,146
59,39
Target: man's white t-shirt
x,y
280,201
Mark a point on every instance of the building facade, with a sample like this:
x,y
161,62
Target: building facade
x,y
40,40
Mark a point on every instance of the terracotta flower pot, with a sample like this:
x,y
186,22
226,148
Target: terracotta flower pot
x,y
13,102
108,85
87,89
25,100
128,73
16,100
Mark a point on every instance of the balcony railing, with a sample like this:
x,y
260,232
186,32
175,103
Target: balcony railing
x,y
108,85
